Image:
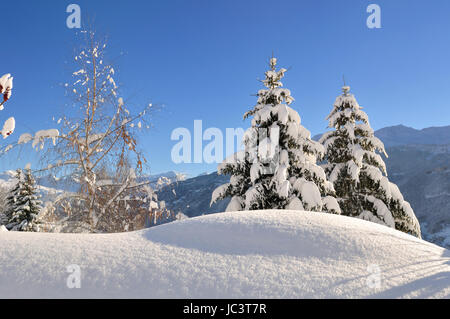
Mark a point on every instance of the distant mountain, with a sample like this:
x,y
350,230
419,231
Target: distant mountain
x,y
403,135
68,184
8,180
171,176
49,187
422,172
419,163
192,196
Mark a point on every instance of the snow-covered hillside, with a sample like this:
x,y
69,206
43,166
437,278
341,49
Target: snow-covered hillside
x,y
258,254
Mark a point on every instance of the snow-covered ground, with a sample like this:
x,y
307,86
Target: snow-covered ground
x,y
258,254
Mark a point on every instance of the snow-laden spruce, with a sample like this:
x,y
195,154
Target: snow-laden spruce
x,y
278,167
3,219
23,204
358,172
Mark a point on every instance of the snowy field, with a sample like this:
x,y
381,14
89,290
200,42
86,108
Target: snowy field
x,y
258,254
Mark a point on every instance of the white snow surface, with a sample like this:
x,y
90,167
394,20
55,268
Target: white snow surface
x,y
257,254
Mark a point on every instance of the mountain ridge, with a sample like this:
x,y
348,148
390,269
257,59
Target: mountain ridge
x,y
398,135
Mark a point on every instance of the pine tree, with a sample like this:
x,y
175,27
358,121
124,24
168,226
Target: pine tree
x,y
278,167
12,199
3,219
24,205
358,172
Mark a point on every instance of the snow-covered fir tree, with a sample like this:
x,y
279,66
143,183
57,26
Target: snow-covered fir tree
x,y
358,171
23,204
13,196
278,167
3,219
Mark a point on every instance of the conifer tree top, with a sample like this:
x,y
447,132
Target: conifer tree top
x,y
345,89
273,77
274,94
346,110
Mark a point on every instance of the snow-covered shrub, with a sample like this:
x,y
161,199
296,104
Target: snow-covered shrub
x,y
278,168
127,210
358,172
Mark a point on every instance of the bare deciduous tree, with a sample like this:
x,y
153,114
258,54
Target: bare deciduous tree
x,y
98,131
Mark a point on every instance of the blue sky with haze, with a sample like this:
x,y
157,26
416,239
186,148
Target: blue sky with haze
x,y
202,59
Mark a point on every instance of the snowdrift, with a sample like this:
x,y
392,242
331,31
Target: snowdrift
x,y
258,254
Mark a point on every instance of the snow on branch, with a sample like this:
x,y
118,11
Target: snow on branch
x,y
6,85
8,127
38,140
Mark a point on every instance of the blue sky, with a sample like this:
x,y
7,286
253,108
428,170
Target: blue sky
x,y
202,59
